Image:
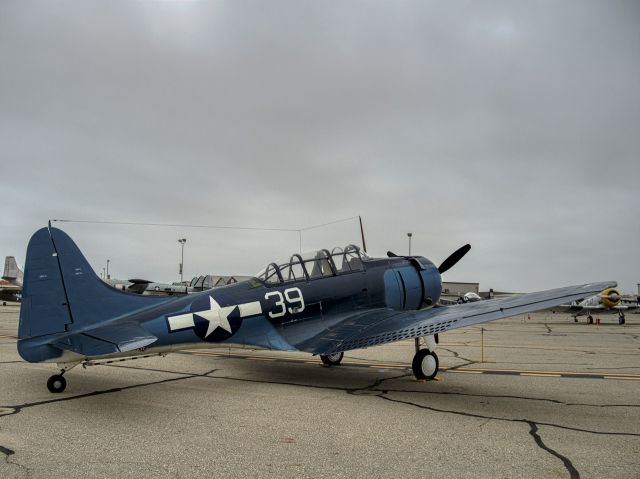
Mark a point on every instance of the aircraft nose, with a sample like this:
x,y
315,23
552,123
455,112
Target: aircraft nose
x,y
432,285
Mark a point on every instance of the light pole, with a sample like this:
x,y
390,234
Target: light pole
x,y
108,268
182,241
409,235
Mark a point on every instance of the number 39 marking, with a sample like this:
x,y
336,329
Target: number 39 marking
x,y
294,299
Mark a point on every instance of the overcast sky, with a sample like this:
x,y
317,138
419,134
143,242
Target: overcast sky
x,y
514,126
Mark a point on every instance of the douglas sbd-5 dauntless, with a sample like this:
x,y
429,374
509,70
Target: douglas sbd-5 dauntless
x,y
322,303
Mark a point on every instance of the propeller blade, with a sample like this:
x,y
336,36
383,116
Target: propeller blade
x,y
456,256
391,254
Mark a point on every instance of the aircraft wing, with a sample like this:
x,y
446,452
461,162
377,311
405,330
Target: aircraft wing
x,y
598,307
625,307
9,291
568,308
11,288
380,326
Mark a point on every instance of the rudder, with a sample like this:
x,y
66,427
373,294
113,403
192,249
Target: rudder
x,y
44,309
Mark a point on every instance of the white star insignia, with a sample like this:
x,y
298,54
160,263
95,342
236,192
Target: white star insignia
x,y
217,316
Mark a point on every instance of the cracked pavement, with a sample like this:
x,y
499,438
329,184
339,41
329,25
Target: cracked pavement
x,y
285,415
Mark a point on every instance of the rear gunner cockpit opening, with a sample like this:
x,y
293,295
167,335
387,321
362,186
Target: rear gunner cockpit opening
x,y
312,265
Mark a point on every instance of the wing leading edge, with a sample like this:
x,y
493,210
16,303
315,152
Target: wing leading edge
x,y
385,326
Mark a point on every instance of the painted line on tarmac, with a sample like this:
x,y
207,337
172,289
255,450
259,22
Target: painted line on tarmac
x,y
572,349
376,365
547,374
561,373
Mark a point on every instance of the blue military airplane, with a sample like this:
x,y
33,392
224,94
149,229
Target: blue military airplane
x,y
322,303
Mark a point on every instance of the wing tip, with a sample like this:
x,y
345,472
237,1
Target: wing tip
x,y
601,285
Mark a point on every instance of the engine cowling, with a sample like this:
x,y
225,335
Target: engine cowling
x,y
610,298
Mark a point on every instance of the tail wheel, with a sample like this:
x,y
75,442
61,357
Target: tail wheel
x,y
56,383
425,364
332,359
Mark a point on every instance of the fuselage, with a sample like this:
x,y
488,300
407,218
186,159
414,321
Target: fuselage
x,y
280,313
289,315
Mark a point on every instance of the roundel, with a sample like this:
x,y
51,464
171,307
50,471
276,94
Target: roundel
x,y
214,323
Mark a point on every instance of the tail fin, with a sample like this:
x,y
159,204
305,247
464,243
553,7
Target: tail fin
x,y
11,271
62,293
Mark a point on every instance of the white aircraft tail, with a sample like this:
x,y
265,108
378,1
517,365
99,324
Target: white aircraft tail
x,y
12,272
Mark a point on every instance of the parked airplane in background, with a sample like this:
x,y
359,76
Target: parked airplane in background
x,y
11,284
197,284
469,297
605,302
143,286
323,303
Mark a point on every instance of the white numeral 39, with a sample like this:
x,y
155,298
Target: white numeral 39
x,y
293,297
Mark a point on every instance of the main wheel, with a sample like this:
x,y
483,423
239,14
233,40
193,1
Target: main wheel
x,y
332,359
621,319
56,383
590,319
425,364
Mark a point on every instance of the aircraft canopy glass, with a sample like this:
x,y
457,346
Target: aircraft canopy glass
x,y
315,264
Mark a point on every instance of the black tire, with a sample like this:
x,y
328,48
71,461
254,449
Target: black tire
x,y
425,364
56,383
621,320
332,359
589,319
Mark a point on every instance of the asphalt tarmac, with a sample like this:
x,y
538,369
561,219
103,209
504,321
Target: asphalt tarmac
x,y
545,397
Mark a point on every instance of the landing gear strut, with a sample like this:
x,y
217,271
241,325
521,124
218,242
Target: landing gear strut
x,y
425,363
332,359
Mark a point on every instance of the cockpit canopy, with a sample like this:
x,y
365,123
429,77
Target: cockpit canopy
x,y
316,264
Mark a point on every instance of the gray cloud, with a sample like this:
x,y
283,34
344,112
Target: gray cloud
x,y
510,125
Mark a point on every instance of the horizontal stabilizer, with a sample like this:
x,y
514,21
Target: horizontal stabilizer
x,y
127,336
117,338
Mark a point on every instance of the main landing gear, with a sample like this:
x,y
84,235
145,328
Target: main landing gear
x,y
621,319
332,359
425,363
